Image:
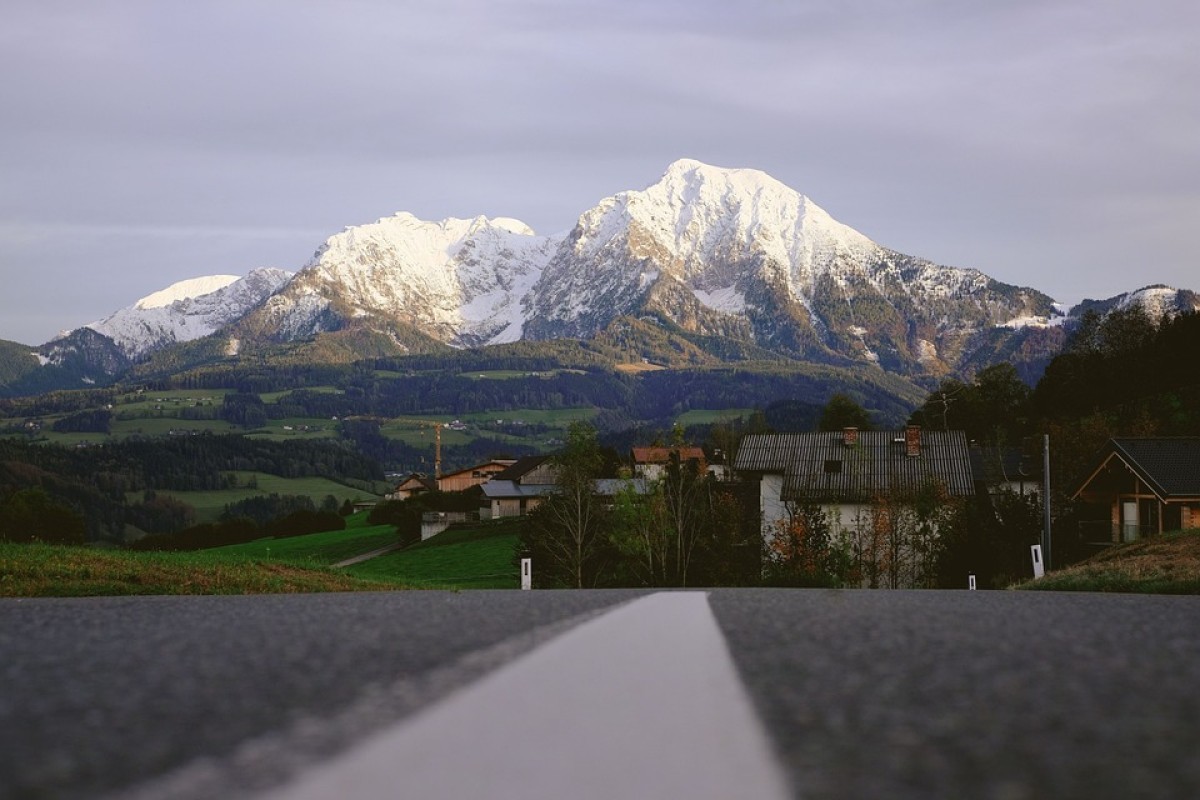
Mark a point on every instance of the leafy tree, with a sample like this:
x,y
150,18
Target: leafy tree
x,y
842,411
97,420
989,537
992,408
803,551
31,515
660,530
304,522
244,409
564,536
161,513
896,544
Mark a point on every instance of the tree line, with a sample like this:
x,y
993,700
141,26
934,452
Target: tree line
x,y
683,530
94,483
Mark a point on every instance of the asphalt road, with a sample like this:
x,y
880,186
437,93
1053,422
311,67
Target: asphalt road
x,y
861,694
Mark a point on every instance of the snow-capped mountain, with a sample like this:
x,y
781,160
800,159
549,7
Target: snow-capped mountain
x,y
705,255
460,281
704,250
188,310
1157,300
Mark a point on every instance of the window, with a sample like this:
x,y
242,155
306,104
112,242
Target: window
x,y
833,467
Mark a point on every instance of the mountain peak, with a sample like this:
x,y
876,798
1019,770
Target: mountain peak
x,y
690,169
187,310
185,290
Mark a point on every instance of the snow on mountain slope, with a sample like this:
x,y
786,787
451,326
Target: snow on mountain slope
x,y
185,290
1159,300
188,310
745,245
460,280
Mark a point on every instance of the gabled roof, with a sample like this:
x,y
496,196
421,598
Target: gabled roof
x,y
499,489
499,464
822,467
1005,464
416,480
662,455
520,468
1170,467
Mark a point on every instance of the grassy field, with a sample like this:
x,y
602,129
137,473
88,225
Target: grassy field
x,y
702,416
317,549
272,397
35,570
475,557
210,504
1168,564
632,368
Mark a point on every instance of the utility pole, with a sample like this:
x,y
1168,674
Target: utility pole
x,y
1046,499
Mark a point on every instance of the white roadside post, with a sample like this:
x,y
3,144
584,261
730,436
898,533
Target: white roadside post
x,y
971,581
1039,569
526,574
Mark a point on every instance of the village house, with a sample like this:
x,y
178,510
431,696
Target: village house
x,y
860,483
411,486
519,488
473,476
527,483
651,462
1143,487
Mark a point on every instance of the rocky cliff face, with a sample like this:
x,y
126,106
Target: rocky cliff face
x,y
719,251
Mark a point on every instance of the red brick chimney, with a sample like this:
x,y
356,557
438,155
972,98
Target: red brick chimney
x,y
849,436
912,440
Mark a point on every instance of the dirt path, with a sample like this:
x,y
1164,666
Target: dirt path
x,y
368,556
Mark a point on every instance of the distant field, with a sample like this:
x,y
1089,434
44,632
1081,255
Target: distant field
x,y
635,367
551,416
708,417
273,397
476,557
496,374
507,426
162,426
291,428
508,374
210,504
171,396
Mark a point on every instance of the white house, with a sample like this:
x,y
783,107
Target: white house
x,y
856,478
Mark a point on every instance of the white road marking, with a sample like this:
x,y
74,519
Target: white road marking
x,y
642,702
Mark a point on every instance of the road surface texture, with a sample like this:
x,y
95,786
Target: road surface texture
x,y
721,694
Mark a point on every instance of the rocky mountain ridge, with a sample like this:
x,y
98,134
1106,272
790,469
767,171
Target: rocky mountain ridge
x,y
703,254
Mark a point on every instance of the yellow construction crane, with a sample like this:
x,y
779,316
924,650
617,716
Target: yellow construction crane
x,y
428,423
437,440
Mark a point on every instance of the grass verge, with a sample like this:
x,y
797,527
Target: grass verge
x,y
478,556
317,549
37,570
1168,564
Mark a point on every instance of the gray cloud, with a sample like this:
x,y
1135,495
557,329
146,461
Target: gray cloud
x,y
1049,143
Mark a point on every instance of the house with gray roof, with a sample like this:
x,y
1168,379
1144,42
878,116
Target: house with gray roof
x,y
857,479
1146,486
519,488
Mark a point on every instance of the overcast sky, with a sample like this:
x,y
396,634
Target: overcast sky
x,y
1051,143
